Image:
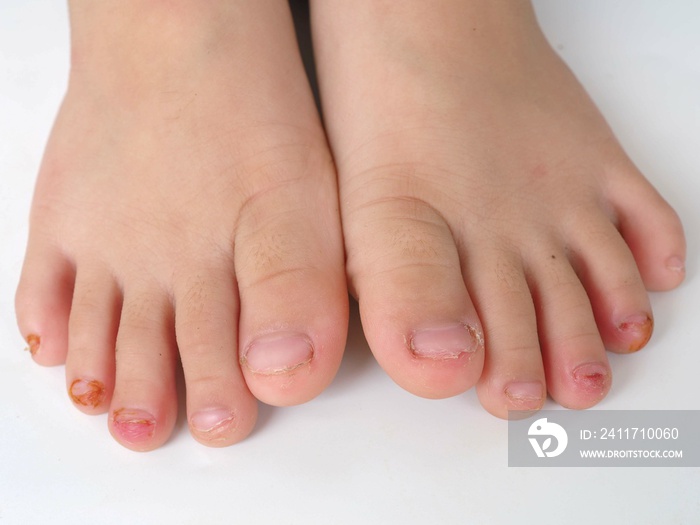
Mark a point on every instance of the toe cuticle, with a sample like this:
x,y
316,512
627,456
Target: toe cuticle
x,y
638,328
33,343
592,376
446,342
675,264
212,423
87,393
278,353
133,426
525,395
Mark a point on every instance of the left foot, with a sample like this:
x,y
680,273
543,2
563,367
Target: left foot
x,y
496,233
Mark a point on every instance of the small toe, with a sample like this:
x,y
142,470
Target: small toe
x,y
220,408
144,404
43,303
614,286
652,230
513,376
93,326
576,366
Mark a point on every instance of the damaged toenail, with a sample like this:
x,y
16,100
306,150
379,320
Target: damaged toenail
x,y
675,264
33,343
87,393
212,422
277,353
639,327
525,394
134,426
593,376
448,342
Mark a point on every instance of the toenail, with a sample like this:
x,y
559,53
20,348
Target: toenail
x,y
639,328
675,264
212,422
525,394
33,342
448,342
277,353
134,426
594,376
87,393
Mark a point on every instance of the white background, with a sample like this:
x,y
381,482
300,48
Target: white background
x,y
364,451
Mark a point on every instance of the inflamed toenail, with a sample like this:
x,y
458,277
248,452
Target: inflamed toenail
x,y
593,376
133,426
277,353
212,422
446,342
33,343
87,393
675,264
523,394
638,327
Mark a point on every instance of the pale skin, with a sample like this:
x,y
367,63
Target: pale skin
x,y
188,207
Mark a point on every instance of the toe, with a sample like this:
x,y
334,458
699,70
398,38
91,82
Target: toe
x,y
93,324
615,288
576,367
294,300
220,408
513,376
144,404
652,230
43,302
418,318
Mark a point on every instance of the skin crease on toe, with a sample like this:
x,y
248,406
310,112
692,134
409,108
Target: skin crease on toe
x,y
455,122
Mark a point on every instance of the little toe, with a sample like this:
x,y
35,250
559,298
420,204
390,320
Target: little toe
x,y
576,366
614,286
513,376
43,303
417,315
652,230
144,404
220,408
293,292
93,325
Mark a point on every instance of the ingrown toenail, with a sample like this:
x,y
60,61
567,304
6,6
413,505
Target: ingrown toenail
x,y
525,394
87,393
212,422
33,342
675,264
134,426
593,376
638,327
448,342
277,353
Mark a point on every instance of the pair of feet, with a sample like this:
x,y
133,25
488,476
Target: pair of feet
x,y
188,207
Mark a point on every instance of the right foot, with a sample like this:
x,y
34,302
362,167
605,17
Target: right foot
x,y
186,202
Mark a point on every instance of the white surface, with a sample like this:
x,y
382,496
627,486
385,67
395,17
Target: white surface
x,y
364,451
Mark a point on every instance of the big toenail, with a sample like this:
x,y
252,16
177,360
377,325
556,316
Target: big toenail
x,y
212,422
638,327
33,342
277,353
525,394
133,426
448,342
87,393
675,264
593,376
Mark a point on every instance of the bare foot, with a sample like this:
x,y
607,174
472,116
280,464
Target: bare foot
x,y
186,202
496,234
